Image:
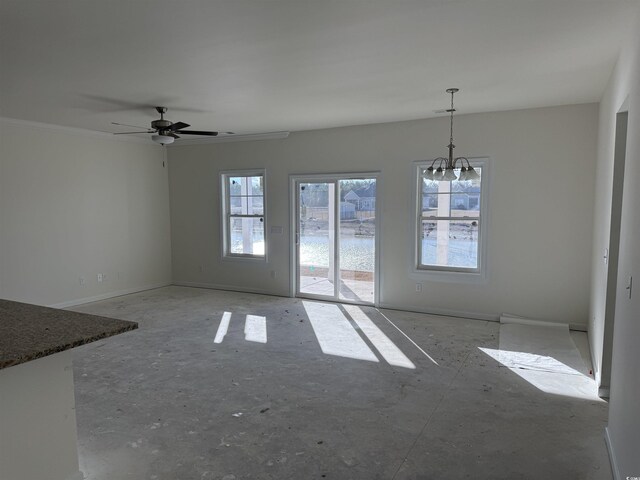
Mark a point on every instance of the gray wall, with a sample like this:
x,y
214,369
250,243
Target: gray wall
x,y
74,204
623,92
540,202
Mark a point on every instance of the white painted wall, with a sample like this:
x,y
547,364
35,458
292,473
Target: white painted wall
x,y
541,207
75,204
624,418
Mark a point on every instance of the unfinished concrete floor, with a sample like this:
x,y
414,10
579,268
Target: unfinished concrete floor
x,y
159,402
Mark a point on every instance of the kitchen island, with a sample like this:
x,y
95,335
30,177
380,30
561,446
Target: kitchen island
x,y
38,438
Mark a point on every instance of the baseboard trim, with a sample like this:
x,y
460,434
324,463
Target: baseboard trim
x,y
510,318
441,312
227,288
579,327
105,296
612,455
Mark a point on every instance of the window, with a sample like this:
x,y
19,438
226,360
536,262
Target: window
x,y
243,214
449,222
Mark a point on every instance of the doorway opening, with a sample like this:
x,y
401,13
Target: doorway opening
x,y
611,254
336,241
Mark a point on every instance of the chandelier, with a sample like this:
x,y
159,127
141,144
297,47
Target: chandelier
x,y
444,172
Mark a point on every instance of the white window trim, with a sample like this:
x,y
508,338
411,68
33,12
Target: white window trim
x,y
452,274
225,253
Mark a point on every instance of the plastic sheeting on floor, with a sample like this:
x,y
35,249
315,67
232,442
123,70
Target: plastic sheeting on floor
x,y
545,356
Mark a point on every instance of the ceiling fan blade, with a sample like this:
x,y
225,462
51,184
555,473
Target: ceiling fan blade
x,y
130,133
126,125
178,126
198,132
171,134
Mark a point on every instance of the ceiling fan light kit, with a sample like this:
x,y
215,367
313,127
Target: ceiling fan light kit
x,y
165,132
162,139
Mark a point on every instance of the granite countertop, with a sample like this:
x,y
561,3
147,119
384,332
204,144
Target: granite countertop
x,y
30,331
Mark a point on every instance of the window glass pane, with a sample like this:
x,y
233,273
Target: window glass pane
x,y
247,236
430,204
254,205
429,186
256,185
449,243
465,205
235,186
428,235
235,205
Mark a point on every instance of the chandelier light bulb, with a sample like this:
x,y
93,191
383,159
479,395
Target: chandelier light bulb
x,y
428,173
449,175
472,174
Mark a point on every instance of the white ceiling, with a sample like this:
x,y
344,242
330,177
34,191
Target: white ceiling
x,y
259,66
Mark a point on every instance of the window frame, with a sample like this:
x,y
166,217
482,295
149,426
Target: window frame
x,y
446,273
226,215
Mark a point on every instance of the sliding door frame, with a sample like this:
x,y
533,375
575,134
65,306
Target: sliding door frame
x,y
294,181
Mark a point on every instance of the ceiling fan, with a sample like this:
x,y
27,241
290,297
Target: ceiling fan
x,y
165,131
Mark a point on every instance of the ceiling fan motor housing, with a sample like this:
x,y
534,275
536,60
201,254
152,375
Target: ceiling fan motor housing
x,y
161,124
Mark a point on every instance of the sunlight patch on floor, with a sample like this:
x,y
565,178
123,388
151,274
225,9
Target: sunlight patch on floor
x,y
547,374
546,357
335,334
334,331
408,338
223,327
255,329
391,353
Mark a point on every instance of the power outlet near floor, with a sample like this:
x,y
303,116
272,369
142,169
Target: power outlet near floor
x,y
418,287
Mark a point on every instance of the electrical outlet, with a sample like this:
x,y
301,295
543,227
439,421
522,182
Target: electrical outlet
x,y
100,278
273,274
418,287
81,280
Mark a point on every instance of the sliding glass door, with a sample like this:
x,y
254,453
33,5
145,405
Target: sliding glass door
x,y
335,255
